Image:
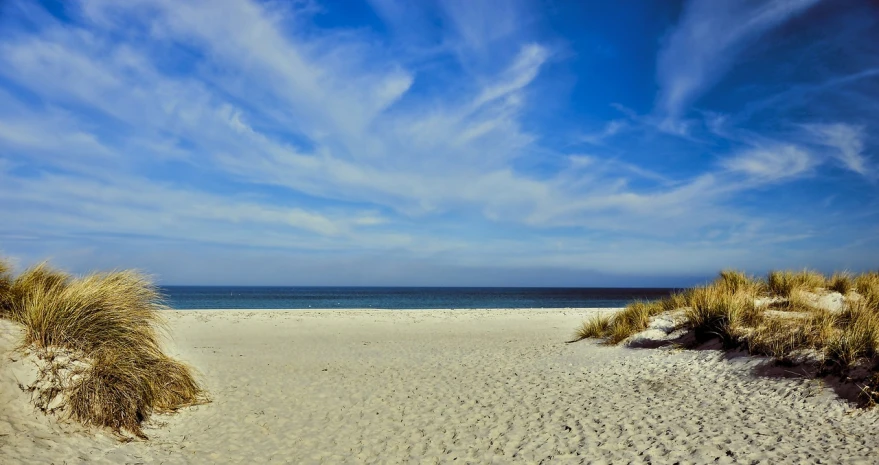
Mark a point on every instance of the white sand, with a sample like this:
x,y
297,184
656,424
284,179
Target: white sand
x,y
498,386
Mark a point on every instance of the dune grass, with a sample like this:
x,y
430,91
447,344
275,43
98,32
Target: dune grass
x,y
633,319
841,282
113,319
867,285
727,309
718,311
784,283
595,327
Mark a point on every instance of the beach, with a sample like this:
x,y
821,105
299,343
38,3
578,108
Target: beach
x,y
451,386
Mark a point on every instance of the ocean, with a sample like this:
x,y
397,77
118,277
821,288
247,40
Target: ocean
x,y
232,297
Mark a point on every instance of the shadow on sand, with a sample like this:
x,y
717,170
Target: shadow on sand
x,y
848,386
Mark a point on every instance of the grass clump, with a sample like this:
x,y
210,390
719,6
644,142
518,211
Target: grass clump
x,y
675,301
834,340
867,286
121,389
841,282
782,337
716,311
736,282
858,335
99,311
595,327
114,320
784,283
5,284
633,319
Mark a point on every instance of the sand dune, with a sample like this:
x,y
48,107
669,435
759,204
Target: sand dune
x,y
475,386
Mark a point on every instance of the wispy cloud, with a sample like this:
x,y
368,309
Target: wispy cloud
x,y
246,126
847,144
772,163
611,128
705,44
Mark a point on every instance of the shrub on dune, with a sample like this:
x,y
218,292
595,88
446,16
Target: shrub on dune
x,y
112,319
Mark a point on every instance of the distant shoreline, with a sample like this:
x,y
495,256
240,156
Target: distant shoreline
x,y
395,310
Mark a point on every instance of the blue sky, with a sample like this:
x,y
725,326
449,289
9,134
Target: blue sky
x,y
440,143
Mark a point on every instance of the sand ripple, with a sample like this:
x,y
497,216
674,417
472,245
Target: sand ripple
x,y
462,387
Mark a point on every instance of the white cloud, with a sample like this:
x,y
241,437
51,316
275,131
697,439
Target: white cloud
x,y
611,128
848,144
706,42
480,24
356,156
772,163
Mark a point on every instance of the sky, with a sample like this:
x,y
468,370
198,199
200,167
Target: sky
x,y
435,143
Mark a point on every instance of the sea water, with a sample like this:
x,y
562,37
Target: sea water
x,y
229,297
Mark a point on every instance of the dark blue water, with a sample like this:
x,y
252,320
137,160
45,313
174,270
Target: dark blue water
x,y
198,297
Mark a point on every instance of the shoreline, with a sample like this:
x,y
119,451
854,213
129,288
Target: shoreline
x,y
463,386
369,309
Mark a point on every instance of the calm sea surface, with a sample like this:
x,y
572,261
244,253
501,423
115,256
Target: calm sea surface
x,y
198,297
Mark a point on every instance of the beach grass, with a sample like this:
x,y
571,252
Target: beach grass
x,y
784,283
743,313
634,318
841,282
114,320
595,327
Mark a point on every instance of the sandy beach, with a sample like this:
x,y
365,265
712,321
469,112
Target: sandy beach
x,y
462,386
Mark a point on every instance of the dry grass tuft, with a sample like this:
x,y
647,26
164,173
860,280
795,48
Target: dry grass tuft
x,y
716,312
781,337
736,282
116,310
123,388
798,301
676,301
631,320
857,338
5,284
595,327
778,337
114,319
39,279
634,319
841,282
783,283
867,285
725,309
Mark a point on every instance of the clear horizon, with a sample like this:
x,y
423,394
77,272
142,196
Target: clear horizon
x,y
440,143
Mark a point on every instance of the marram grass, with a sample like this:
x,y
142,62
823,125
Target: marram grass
x,y
727,309
114,319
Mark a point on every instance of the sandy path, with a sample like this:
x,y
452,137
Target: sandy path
x,y
495,386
